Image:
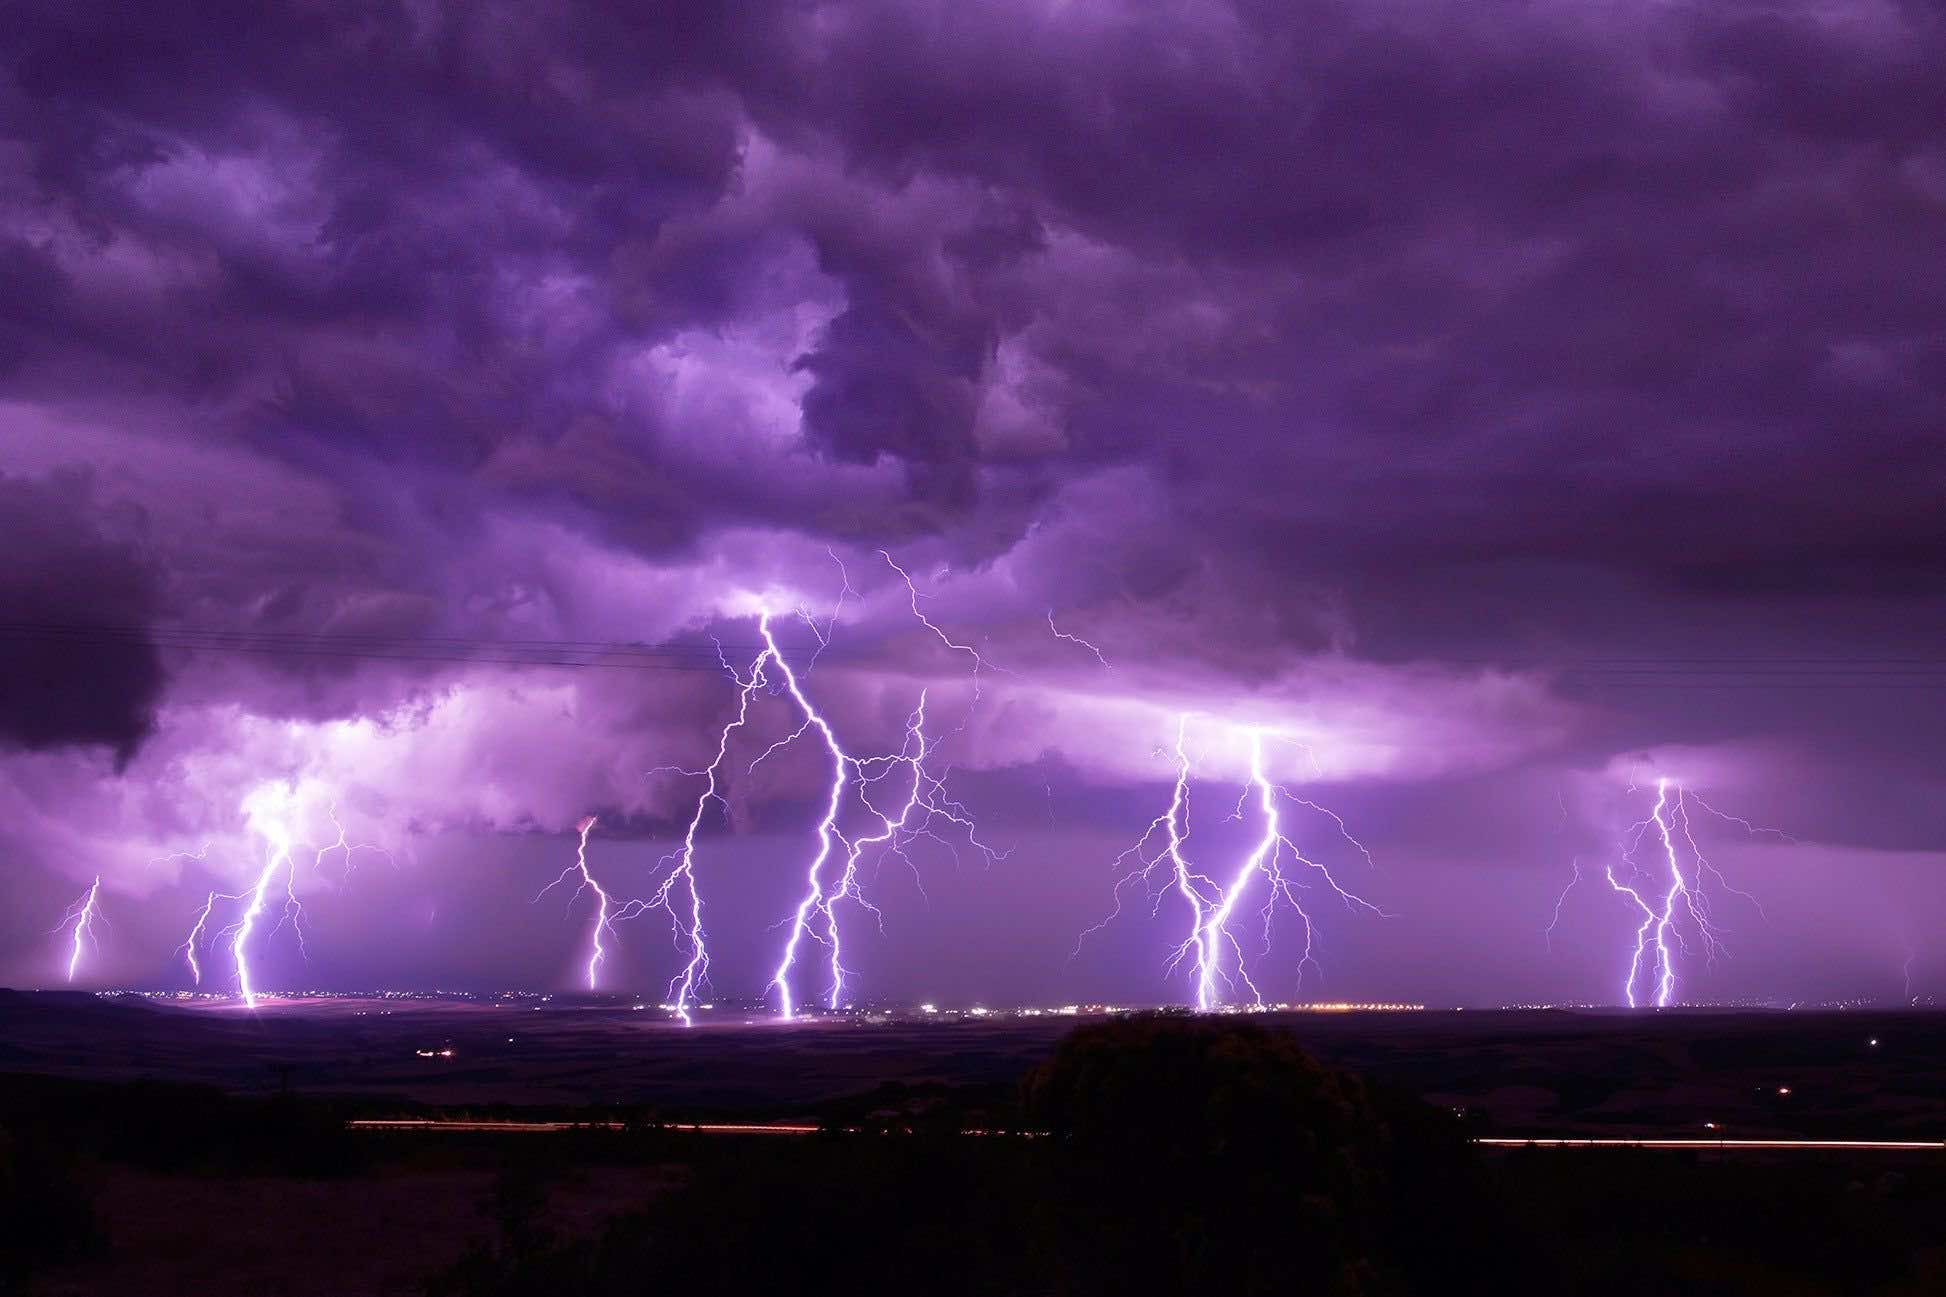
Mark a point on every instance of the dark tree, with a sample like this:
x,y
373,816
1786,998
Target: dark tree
x,y
1214,1156
1179,1156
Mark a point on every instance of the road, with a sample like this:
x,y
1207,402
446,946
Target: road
x,y
795,1128
554,1127
1731,1145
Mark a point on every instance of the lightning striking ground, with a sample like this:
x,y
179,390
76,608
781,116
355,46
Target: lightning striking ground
x,y
1210,945
267,814
834,871
1172,825
828,885
678,895
1671,891
79,923
816,916
278,860
605,919
816,901
189,947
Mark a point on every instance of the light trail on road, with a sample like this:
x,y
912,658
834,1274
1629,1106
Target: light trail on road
x,y
798,1128
1729,1145
553,1127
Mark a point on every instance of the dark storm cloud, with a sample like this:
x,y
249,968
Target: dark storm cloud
x,y
1317,356
1391,297
1608,285
68,565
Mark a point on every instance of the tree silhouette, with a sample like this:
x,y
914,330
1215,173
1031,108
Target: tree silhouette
x,y
1215,1155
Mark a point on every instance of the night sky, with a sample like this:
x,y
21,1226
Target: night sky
x,y
1501,406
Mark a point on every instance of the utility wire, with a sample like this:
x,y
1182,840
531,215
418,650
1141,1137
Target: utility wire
x,y
1755,672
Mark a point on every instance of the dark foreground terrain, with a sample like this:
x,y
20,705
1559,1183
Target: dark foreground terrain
x,y
1847,1075
154,1149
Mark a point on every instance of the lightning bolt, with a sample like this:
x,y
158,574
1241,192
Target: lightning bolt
x,y
1642,938
1172,826
679,888
79,922
188,948
815,901
200,856
912,591
824,633
1265,860
604,920
278,859
1560,901
1058,633
266,813
1210,946
1673,900
816,915
833,872
343,844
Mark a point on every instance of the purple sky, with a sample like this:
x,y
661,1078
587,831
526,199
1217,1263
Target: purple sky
x,y
1504,402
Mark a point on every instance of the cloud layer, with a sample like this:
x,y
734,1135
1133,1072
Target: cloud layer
x,y
1490,400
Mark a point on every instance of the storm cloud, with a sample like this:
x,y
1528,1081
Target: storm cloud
x,y
1501,401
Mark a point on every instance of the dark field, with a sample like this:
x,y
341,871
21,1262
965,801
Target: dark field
x,y
1519,1072
155,1149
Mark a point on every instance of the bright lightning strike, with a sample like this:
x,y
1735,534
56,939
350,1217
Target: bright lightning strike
x,y
189,947
679,887
79,923
832,874
1266,871
816,901
278,860
1172,825
268,812
1670,890
605,920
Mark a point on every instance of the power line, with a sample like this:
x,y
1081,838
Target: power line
x,y
378,648
1722,673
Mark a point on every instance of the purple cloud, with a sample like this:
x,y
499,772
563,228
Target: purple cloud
x,y
1486,399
